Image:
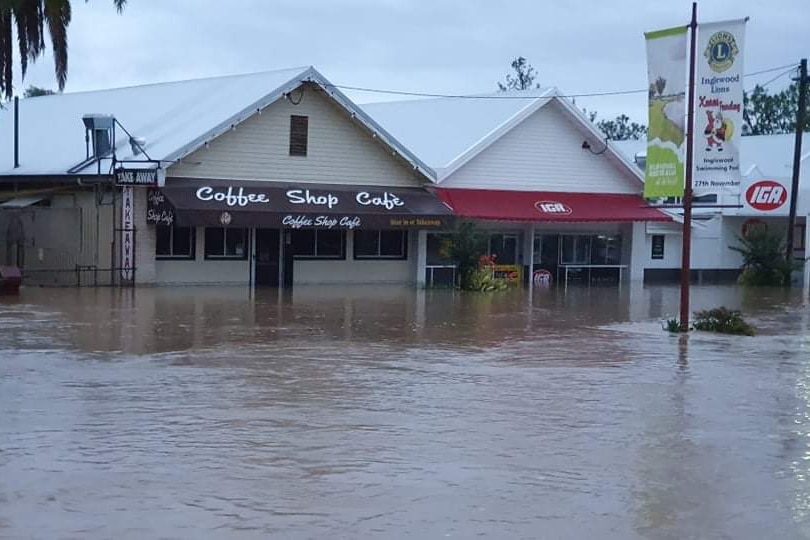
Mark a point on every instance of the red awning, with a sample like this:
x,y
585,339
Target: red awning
x,y
548,206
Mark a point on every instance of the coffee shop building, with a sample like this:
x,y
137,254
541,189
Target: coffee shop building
x,y
271,179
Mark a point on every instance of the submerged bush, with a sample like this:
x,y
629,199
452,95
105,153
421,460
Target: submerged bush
x,y
481,280
672,325
723,321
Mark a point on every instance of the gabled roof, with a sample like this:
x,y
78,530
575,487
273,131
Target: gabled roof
x,y
448,132
175,118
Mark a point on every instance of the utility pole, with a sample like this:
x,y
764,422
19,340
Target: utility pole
x,y
686,253
797,158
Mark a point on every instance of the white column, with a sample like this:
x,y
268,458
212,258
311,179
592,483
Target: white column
x,y
421,257
529,251
638,251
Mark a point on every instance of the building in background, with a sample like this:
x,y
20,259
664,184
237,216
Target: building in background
x,y
272,179
762,198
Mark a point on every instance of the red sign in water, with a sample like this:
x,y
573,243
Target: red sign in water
x,y
766,195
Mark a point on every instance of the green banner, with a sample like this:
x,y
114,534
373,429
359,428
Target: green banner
x,y
666,71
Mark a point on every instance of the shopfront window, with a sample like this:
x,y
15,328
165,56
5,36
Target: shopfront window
x,y
173,242
606,249
319,244
504,247
576,249
598,249
380,244
224,243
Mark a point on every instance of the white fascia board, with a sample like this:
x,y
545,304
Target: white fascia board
x,y
487,140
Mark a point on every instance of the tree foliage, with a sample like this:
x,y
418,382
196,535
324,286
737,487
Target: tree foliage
x,y
523,79
32,20
772,114
464,247
36,91
618,129
622,129
764,261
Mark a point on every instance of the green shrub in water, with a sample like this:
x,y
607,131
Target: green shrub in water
x,y
481,280
722,320
672,325
764,262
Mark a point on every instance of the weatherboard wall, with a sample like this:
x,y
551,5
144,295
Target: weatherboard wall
x,y
544,153
339,150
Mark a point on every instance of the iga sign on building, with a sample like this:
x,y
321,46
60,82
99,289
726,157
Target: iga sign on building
x,y
766,197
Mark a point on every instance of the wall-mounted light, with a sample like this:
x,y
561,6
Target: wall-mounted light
x,y
587,146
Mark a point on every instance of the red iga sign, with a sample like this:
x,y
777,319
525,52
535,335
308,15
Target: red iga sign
x,y
766,195
553,207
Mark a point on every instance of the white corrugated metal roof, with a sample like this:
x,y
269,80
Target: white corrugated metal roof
x,y
447,132
441,130
175,118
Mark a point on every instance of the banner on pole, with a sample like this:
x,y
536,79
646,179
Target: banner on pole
x,y
719,102
666,72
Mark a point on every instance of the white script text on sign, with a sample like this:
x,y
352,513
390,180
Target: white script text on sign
x,y
230,198
552,207
766,195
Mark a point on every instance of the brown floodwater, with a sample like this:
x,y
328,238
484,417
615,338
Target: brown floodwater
x,y
386,412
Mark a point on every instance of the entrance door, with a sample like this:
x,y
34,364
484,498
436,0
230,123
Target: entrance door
x,y
267,258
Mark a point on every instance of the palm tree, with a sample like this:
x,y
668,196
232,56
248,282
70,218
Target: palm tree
x,y
29,18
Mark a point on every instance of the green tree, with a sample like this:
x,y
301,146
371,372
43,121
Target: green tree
x,y
523,79
36,91
464,247
29,18
764,262
771,114
618,129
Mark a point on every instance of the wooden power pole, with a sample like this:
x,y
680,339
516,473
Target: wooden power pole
x,y
797,158
686,253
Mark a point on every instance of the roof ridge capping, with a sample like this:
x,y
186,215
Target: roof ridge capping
x,y
296,69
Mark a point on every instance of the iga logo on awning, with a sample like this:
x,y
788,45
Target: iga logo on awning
x,y
553,207
766,195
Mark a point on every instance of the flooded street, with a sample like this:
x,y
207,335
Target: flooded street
x,y
388,412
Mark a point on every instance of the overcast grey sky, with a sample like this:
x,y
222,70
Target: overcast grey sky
x,y
439,46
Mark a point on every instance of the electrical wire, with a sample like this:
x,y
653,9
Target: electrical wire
x,y
791,70
536,95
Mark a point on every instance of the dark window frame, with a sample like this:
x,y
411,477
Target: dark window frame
x,y
663,247
192,256
401,257
316,256
299,135
224,256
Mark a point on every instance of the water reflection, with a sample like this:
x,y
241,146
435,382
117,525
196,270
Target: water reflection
x,y
389,412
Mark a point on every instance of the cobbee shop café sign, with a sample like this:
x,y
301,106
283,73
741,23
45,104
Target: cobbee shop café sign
x,y
257,205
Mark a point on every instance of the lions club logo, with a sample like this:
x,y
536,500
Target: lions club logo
x,y
721,51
